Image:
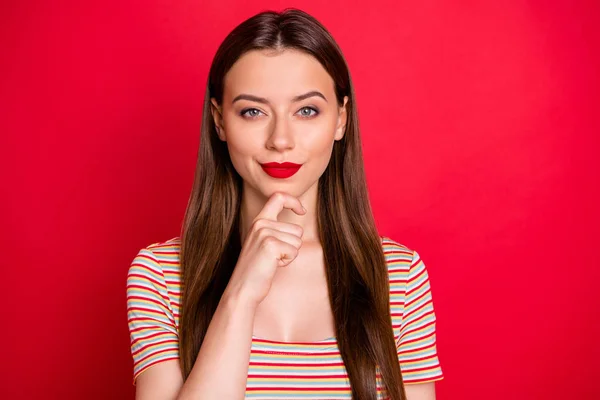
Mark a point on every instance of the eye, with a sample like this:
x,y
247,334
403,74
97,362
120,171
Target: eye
x,y
306,111
250,112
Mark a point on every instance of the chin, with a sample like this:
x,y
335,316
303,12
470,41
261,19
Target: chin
x,y
293,188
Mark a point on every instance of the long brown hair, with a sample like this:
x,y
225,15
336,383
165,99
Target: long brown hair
x,y
356,270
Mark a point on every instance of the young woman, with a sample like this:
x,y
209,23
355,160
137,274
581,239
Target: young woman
x,y
279,286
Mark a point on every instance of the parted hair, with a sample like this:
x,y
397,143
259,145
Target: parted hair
x,y
356,270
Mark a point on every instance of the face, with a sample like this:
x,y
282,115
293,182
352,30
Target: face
x,y
279,107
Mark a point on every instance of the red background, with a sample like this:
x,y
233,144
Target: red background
x,y
480,130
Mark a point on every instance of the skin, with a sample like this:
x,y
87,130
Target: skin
x,y
279,129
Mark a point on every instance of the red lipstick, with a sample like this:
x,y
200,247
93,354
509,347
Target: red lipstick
x,y
280,170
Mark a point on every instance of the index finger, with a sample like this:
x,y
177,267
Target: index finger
x,y
277,202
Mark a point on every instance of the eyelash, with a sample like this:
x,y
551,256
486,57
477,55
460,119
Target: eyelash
x,y
245,110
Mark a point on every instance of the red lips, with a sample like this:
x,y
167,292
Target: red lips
x,y
280,170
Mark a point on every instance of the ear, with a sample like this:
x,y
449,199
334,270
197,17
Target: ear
x,y
217,114
340,129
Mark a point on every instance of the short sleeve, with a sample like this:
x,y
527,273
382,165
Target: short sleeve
x,y
152,327
416,343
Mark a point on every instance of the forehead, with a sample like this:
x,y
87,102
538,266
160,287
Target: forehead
x,y
277,75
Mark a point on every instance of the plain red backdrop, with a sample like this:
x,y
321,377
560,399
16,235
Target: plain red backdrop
x,y
480,130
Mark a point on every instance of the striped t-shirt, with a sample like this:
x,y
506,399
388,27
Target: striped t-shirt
x,y
284,370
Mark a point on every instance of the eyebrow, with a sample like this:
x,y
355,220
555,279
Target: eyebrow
x,y
265,101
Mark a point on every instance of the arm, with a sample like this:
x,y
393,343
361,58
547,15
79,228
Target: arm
x,y
153,331
420,391
162,381
221,367
220,370
417,352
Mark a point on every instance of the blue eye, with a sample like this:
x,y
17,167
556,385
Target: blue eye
x,y
253,112
305,112
316,112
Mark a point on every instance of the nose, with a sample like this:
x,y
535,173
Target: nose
x,y
280,135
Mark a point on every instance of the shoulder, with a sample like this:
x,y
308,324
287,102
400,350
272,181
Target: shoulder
x,y
166,255
167,249
155,270
153,305
160,256
405,266
406,273
398,256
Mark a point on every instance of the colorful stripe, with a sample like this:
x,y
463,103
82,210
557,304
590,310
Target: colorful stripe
x,y
290,370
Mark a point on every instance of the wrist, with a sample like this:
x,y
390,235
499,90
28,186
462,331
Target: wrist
x,y
237,301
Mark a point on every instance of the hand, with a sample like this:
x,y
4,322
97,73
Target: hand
x,y
269,244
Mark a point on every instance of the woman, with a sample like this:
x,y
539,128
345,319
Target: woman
x,y
279,285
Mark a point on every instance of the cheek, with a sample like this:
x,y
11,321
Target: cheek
x,y
318,146
242,148
319,140
241,137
